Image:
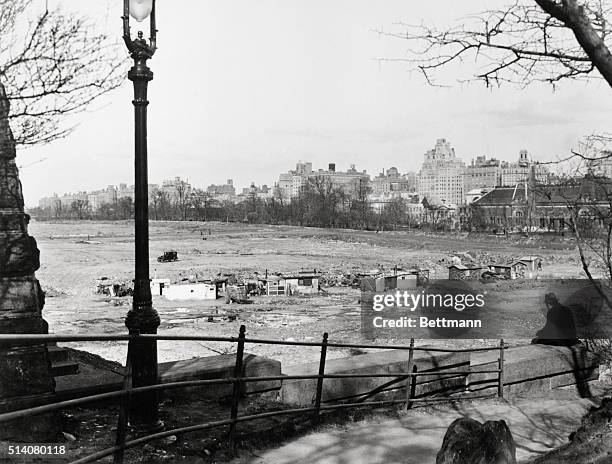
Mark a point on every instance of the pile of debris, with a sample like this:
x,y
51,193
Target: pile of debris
x,y
106,286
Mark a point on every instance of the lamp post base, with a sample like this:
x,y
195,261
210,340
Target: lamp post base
x,y
147,429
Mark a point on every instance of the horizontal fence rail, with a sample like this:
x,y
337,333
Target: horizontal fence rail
x,y
123,396
33,338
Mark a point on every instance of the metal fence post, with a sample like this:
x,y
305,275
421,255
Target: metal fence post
x,y
237,388
315,417
124,403
410,380
500,386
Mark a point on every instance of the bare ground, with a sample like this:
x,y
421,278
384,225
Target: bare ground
x,y
75,254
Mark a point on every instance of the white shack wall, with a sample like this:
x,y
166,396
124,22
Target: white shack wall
x,y
198,291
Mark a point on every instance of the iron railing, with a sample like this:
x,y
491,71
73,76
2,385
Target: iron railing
x,y
124,395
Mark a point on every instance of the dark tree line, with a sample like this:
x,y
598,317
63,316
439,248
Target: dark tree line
x,y
320,203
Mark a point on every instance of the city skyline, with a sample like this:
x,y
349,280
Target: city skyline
x,y
294,80
443,177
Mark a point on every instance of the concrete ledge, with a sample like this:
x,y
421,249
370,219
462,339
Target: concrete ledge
x,y
535,368
303,392
218,367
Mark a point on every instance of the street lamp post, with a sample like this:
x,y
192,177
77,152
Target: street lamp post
x,y
142,318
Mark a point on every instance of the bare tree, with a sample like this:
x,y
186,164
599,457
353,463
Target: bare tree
x,y
526,41
201,201
52,64
80,208
182,199
161,204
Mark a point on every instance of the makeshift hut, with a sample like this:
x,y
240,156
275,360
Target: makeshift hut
x,y
462,272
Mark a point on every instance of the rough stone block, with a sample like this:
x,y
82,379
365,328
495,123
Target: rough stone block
x,y
218,367
302,392
20,294
11,195
25,371
19,254
534,368
13,221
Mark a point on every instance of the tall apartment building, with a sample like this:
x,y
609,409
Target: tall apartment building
x,y
175,189
98,198
482,173
515,172
350,181
392,181
223,189
440,179
290,183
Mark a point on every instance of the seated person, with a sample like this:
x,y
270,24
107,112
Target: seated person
x,y
559,329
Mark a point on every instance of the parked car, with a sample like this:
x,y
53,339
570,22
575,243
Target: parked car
x,y
167,257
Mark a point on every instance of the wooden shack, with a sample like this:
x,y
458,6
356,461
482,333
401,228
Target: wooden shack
x,y
520,270
503,270
407,281
276,286
190,291
462,272
301,284
533,264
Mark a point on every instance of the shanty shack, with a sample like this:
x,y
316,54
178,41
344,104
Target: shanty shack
x,y
533,264
276,286
157,286
407,281
299,284
302,284
221,284
190,291
463,272
519,270
502,271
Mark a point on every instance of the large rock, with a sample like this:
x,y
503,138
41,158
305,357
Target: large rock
x,y
467,441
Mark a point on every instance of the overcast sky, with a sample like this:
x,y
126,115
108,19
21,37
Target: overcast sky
x,y
243,89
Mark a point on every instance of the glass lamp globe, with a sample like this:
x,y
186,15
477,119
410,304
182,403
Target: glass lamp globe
x,y
140,9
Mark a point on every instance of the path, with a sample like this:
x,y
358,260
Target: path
x,y
537,426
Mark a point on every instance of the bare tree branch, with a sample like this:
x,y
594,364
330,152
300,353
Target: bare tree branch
x,y
527,41
52,66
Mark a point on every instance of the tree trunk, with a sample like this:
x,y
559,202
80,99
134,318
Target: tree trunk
x,y
572,14
25,369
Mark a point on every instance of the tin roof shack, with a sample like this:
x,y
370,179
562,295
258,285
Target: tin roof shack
x,y
407,281
422,276
276,286
301,284
462,272
519,270
190,291
533,265
404,280
385,283
501,271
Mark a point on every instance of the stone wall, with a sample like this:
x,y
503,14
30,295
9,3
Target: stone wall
x,y
25,369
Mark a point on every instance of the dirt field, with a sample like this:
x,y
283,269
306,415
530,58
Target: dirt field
x,y
74,255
